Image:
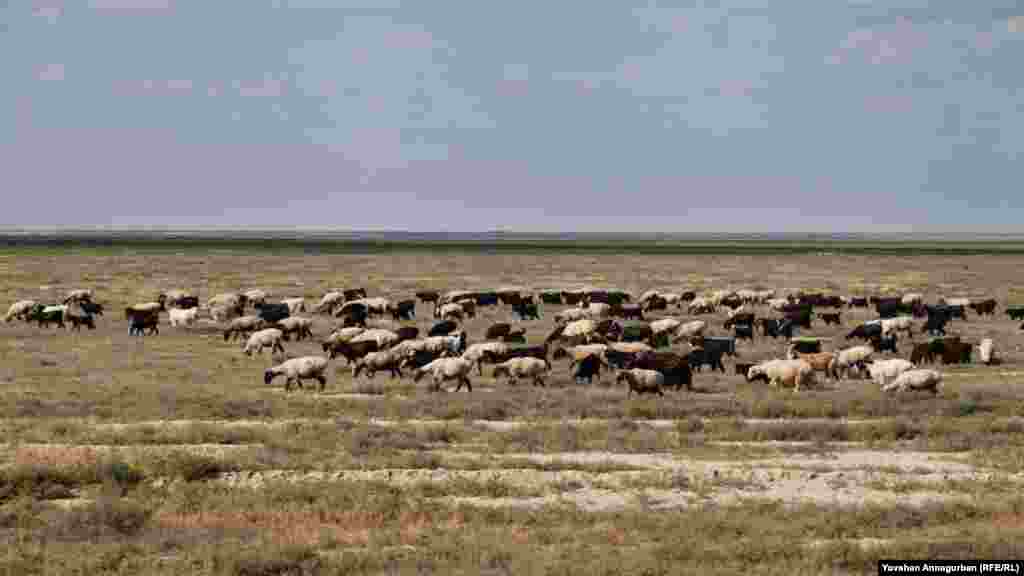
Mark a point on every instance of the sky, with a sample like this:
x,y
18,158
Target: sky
x,y
476,115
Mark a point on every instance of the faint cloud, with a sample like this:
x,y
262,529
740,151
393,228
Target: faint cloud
x,y
267,88
50,72
513,87
408,40
131,5
882,45
49,9
151,87
889,104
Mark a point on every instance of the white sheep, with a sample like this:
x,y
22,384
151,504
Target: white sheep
x,y
450,309
701,305
641,380
581,351
383,338
224,300
449,345
179,317
19,309
298,325
599,310
445,369
922,379
962,301
885,371
900,323
572,315
665,325
777,304
691,329
242,325
380,360
672,298
329,301
476,353
256,296
78,295
266,338
848,357
295,305
628,347
792,373
297,370
376,305
525,367
987,351
912,298
584,330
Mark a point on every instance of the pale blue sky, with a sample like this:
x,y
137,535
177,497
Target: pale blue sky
x,y
802,115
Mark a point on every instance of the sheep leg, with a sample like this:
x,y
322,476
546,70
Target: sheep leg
x,y
323,382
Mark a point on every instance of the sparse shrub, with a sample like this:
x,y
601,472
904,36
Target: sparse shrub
x,y
290,561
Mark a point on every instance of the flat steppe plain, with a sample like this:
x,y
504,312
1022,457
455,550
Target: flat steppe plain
x,y
168,455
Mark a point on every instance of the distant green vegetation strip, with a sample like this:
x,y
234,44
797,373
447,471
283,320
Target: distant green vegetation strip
x,y
114,244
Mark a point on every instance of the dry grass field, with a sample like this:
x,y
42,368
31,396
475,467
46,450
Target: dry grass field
x,y
168,455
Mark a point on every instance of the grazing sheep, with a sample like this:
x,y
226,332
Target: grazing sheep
x,y
381,360
821,361
665,326
342,335
641,381
146,307
848,357
987,351
599,310
476,353
351,351
79,295
580,331
445,369
242,326
181,299
452,310
383,338
701,306
900,323
571,315
19,310
295,305
179,317
45,315
791,373
298,369
676,368
452,345
578,352
691,329
256,296
426,296
443,328
329,302
266,338
228,300
272,312
404,310
525,367
885,371
298,325
77,315
517,336
496,331
965,302
921,379
142,321
912,298
590,367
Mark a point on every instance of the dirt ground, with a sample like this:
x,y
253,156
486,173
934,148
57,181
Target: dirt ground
x,y
211,442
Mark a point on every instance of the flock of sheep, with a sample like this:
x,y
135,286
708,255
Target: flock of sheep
x,y
599,330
